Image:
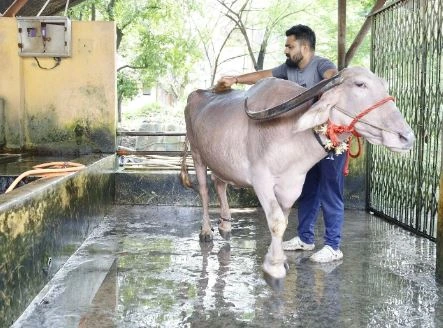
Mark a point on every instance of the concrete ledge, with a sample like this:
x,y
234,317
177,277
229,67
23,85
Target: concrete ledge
x,y
164,188
155,181
153,187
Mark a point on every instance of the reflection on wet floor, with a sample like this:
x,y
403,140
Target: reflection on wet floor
x,y
150,270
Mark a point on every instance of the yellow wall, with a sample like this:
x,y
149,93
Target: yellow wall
x,y
68,109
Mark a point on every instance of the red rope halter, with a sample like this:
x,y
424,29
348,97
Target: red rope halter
x,y
334,130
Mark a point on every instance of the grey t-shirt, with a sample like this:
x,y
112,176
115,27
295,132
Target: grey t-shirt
x,y
306,77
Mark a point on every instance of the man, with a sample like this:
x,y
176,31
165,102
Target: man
x,y
324,183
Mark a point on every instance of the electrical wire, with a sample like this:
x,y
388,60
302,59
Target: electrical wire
x,y
57,62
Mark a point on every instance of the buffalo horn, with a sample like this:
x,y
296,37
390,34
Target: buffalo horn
x,y
309,94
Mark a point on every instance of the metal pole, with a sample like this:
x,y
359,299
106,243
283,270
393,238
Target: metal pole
x,y
66,7
341,37
43,8
2,123
439,259
14,8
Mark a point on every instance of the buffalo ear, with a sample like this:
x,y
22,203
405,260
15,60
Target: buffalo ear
x,y
317,114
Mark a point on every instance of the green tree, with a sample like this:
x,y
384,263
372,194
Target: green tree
x,y
252,16
255,30
242,30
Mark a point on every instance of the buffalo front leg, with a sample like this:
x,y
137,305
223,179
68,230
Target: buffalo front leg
x,y
224,223
275,259
206,234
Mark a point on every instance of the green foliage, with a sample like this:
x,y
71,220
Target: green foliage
x,y
322,15
149,110
128,85
264,29
156,112
84,10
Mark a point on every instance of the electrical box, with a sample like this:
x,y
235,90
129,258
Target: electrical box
x,y
44,36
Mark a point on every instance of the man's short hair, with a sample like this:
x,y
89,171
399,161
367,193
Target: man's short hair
x,y
303,33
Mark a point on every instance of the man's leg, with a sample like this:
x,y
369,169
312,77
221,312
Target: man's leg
x,y
309,205
331,193
331,196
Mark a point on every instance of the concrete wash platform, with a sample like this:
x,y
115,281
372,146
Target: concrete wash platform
x,y
144,267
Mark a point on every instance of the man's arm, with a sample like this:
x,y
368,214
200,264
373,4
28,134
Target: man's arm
x,y
329,73
248,78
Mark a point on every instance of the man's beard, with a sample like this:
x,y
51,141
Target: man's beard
x,y
294,63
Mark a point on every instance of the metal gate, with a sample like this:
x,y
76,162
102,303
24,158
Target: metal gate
x,y
407,45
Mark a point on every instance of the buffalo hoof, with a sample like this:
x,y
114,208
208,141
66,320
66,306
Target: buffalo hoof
x,y
226,234
277,284
206,237
206,234
278,271
275,268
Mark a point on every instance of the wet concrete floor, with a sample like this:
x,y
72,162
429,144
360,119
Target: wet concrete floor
x,y
145,267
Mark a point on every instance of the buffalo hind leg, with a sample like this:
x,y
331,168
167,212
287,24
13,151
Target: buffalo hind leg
x,y
275,260
206,234
224,223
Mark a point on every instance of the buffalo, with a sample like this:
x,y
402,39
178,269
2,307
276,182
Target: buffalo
x,y
262,138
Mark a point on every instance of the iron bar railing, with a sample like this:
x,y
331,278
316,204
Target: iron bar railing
x,y
149,134
407,45
124,151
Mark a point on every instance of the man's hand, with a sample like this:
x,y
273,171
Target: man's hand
x,y
225,83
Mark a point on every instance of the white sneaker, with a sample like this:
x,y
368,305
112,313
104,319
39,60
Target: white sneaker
x,y
327,254
296,243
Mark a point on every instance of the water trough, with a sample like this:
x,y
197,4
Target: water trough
x,y
44,221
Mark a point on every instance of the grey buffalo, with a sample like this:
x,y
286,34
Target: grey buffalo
x,y
273,154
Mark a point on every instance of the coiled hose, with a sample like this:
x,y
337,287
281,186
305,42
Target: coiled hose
x,y
48,170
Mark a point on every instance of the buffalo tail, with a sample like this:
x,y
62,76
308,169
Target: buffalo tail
x,y
184,176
